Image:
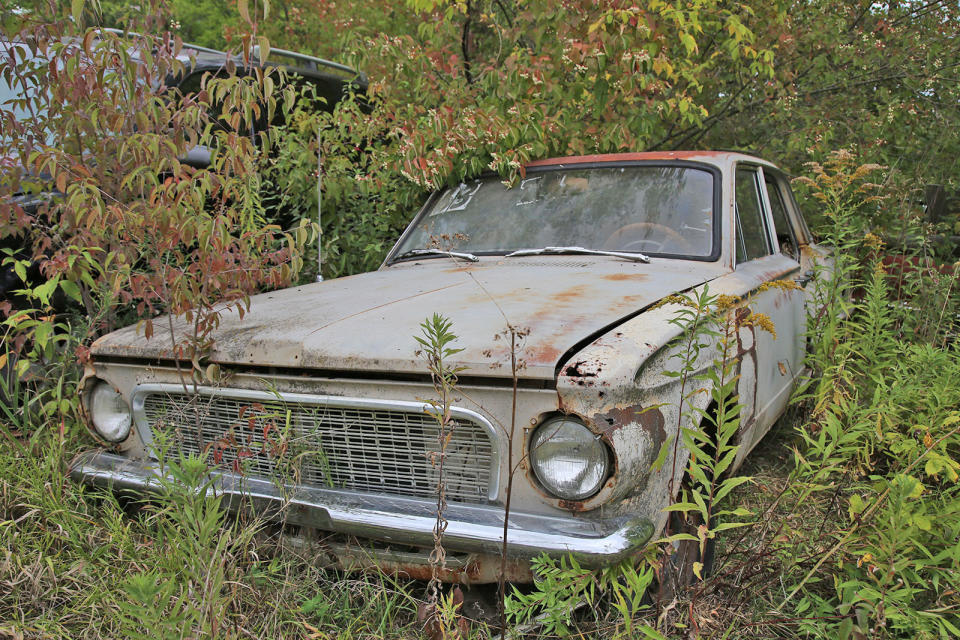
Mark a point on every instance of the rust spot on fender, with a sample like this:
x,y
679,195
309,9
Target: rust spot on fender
x,y
651,419
583,372
571,505
583,369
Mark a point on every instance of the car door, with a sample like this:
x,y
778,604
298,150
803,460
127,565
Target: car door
x,y
766,252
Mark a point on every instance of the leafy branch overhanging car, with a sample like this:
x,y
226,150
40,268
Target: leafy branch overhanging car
x,y
320,411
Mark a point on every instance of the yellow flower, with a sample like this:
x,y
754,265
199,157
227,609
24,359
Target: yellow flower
x,y
674,299
783,285
760,321
726,301
873,241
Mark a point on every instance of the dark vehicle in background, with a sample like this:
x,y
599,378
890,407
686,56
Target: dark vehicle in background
x,y
325,82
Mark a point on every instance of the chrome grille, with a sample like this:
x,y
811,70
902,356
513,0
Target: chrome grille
x,y
381,448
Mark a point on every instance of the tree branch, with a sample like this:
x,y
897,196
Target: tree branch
x,y
465,43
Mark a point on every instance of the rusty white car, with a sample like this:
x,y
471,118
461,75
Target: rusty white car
x,y
321,414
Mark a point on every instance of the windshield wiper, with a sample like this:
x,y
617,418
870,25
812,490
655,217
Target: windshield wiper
x,y
438,252
635,257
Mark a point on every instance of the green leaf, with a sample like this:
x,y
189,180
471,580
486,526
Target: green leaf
x,y
264,44
651,633
76,8
724,526
662,455
71,289
729,485
845,629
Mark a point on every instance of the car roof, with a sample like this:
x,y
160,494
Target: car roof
x,y
711,157
201,58
205,59
198,58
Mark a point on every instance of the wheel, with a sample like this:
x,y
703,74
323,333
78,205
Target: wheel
x,y
616,240
676,572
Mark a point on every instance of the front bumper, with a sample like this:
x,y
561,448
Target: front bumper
x,y
395,520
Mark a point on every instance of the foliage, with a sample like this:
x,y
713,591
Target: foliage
x,y
480,88
129,225
563,586
840,186
878,77
884,439
435,346
365,204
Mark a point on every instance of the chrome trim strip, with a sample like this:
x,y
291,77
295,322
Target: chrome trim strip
x,y
140,392
471,528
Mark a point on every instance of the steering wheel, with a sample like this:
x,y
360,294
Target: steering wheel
x,y
615,241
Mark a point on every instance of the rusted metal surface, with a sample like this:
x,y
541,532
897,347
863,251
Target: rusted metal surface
x,y
358,555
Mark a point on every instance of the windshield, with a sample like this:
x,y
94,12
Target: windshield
x,y
659,210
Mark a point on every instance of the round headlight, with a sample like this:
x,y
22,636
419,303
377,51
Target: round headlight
x,y
568,459
109,413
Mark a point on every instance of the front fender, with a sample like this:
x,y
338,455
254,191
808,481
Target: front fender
x,y
620,387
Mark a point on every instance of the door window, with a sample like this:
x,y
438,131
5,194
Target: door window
x,y
752,237
782,229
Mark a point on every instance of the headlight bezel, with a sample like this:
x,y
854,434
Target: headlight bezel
x,y
601,455
109,415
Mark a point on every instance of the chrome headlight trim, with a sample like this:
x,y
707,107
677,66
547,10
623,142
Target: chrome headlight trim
x,y
568,459
109,413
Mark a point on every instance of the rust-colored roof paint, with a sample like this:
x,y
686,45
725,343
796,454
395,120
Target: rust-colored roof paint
x,y
718,156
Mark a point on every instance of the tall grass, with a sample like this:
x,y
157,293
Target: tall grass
x,y
82,563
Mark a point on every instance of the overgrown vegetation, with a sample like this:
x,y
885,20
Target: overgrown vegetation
x,y
854,534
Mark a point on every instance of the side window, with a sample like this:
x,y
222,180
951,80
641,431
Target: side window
x,y
800,218
783,230
752,236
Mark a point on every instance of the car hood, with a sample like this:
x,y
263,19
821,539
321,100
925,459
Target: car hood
x,y
368,322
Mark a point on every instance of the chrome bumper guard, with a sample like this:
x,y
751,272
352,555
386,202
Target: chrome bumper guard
x,y
471,528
